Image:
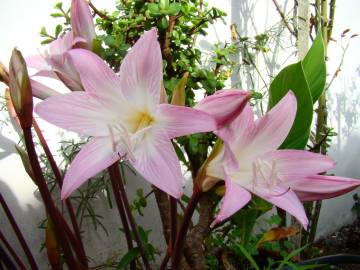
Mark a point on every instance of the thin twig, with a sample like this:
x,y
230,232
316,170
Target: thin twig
x,y
284,18
98,12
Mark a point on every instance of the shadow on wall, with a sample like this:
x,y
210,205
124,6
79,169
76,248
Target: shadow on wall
x,y
6,147
28,219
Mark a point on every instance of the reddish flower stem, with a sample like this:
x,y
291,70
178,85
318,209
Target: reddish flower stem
x,y
58,177
48,201
173,222
18,233
133,225
13,253
165,260
181,235
120,206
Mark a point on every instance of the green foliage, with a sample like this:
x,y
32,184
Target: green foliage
x,y
293,78
128,258
315,67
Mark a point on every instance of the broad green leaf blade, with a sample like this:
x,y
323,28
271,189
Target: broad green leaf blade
x,y
293,78
315,67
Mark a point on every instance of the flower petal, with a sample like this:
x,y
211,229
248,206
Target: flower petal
x,y
82,21
236,197
179,120
287,201
97,78
62,44
41,91
267,133
224,105
157,162
141,71
94,157
295,163
78,112
273,128
319,187
37,62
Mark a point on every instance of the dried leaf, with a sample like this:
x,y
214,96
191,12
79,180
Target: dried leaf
x,y
277,234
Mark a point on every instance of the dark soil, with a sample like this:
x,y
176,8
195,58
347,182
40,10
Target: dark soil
x,y
345,240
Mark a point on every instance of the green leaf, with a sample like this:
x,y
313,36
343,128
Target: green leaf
x,y
248,256
315,67
173,9
293,78
180,154
56,15
127,258
46,41
58,30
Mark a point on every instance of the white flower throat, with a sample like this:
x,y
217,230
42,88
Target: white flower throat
x,y
125,138
265,174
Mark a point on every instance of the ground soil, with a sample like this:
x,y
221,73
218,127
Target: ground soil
x,y
345,240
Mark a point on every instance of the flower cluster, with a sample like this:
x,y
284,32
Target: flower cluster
x,y
126,120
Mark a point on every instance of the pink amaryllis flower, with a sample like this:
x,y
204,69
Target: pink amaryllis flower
x,y
124,117
55,63
282,177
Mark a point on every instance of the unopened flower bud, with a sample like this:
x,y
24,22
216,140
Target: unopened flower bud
x,y
4,75
20,89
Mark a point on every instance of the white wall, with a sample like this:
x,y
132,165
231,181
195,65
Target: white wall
x,y
251,17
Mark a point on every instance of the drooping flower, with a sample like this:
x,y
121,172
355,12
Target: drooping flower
x,y
125,118
55,63
282,177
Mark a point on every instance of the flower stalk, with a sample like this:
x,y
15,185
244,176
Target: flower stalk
x,y
121,209
58,177
120,183
19,236
181,235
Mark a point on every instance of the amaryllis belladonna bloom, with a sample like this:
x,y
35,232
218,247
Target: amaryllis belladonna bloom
x,y
124,117
282,177
55,63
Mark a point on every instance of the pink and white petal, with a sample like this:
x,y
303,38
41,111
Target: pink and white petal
x,y
239,134
298,163
62,44
178,121
46,73
319,187
224,105
78,112
272,129
288,201
141,71
37,62
215,168
97,78
82,21
94,157
42,91
235,198
157,162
